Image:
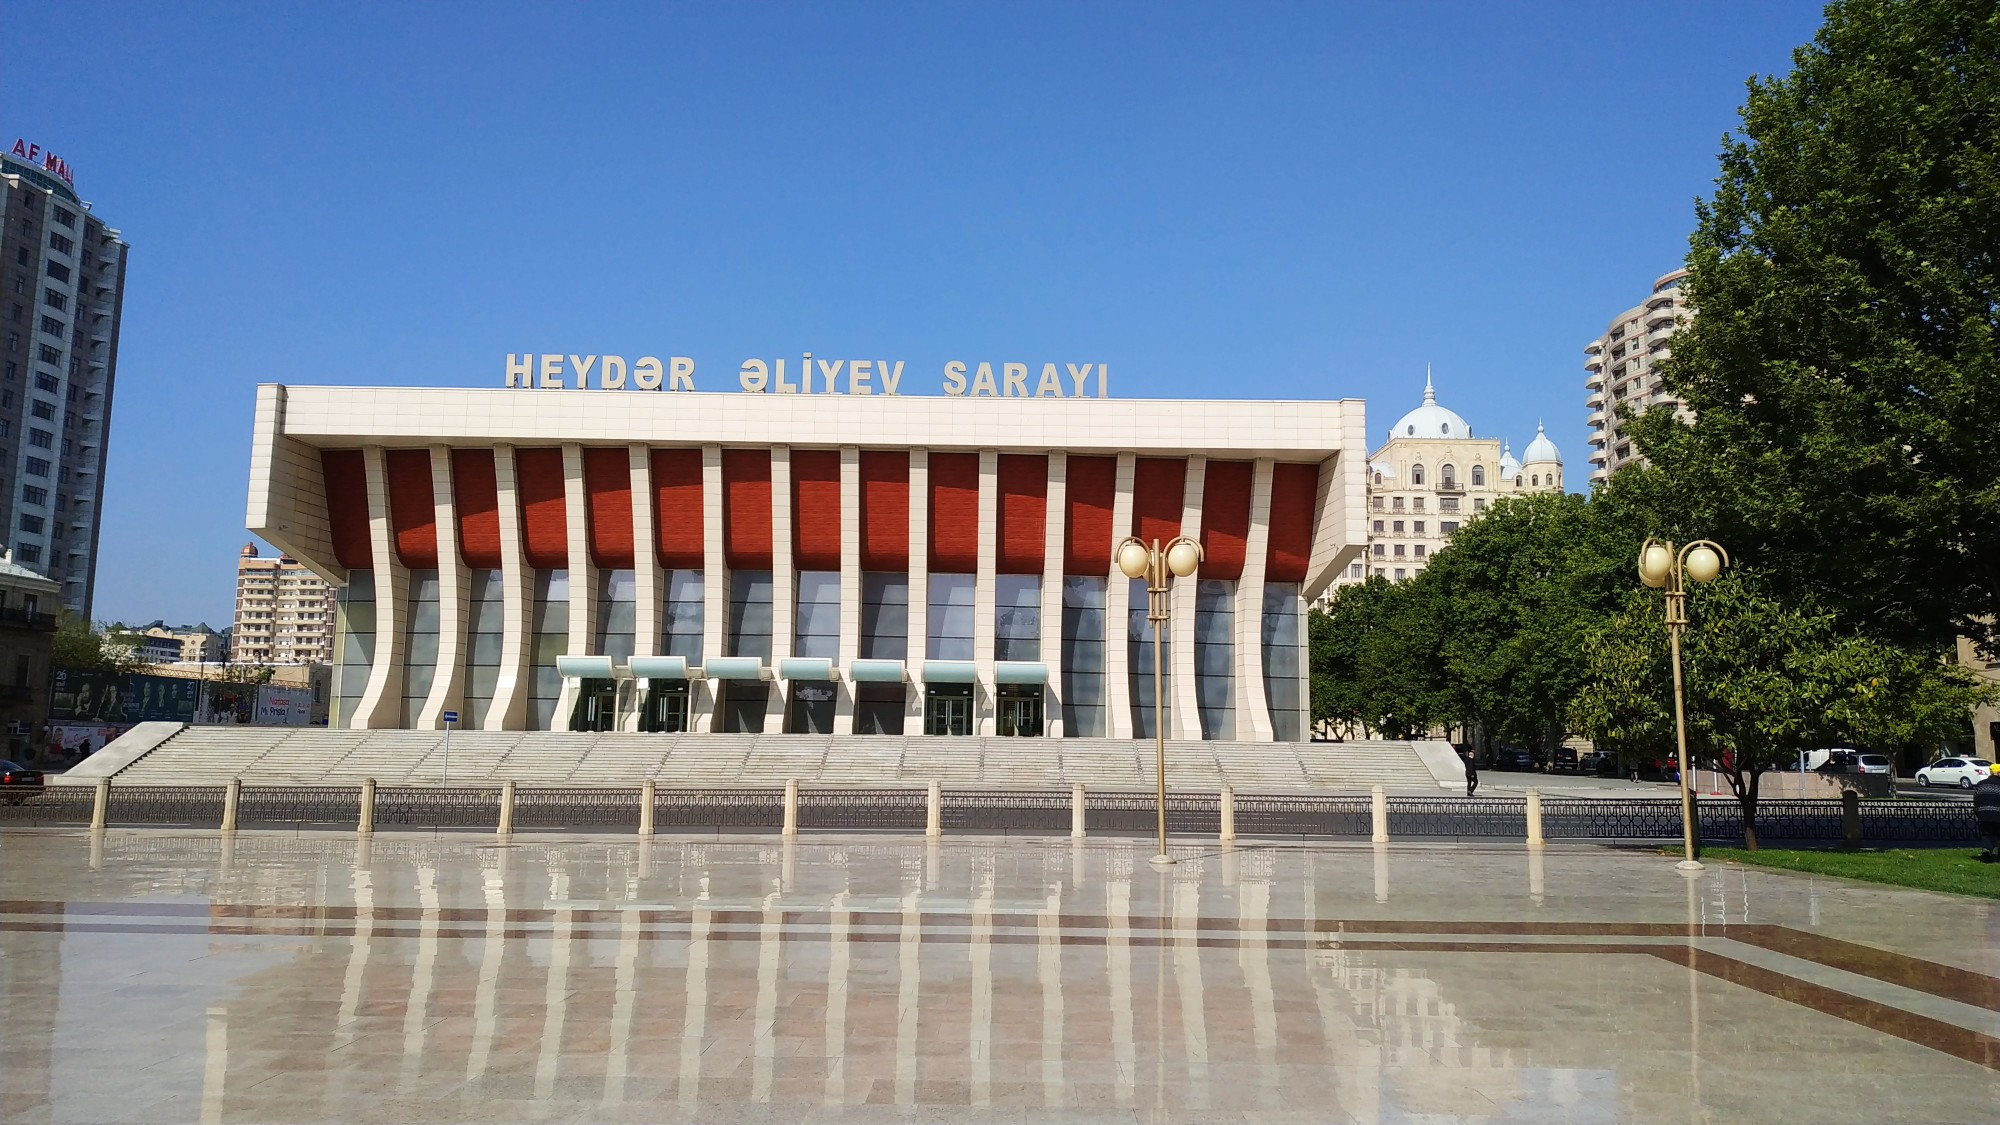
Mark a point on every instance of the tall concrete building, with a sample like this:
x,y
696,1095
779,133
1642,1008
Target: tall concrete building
x,y
284,612
1623,366
62,286
1429,478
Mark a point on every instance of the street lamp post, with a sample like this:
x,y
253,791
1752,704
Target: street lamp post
x,y
1662,566
1159,566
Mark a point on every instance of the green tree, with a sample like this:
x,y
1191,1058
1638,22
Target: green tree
x,y
87,648
1842,363
1766,680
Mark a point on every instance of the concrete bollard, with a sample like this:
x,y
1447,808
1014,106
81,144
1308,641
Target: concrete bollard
x,y
506,827
231,798
1381,811
1076,811
1534,818
791,806
100,805
647,793
934,812
1228,808
1850,819
366,823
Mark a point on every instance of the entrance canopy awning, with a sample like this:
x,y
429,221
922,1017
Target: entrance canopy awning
x,y
736,668
661,667
875,671
807,668
950,672
1020,672
587,668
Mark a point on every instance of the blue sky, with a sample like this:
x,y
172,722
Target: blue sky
x,y
1267,200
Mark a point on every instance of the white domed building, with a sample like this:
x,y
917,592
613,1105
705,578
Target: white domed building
x,y
1430,475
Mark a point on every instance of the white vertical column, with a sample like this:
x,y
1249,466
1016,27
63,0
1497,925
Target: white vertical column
x,y
647,578
1253,712
1053,547
1117,613
1180,626
381,703
454,593
784,580
714,591
984,587
920,586
850,584
582,577
509,709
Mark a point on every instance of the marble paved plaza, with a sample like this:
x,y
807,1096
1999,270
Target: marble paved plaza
x,y
185,977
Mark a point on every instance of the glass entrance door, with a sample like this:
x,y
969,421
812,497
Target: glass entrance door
x,y
596,706
948,709
666,708
1020,711
811,707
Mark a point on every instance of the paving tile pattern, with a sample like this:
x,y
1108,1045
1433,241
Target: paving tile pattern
x,y
160,976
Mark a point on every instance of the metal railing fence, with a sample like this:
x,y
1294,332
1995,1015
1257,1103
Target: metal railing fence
x,y
1335,816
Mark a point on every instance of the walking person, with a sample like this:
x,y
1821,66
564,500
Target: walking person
x,y
1986,807
1471,773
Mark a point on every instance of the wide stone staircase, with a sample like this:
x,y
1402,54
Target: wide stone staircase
x,y
304,757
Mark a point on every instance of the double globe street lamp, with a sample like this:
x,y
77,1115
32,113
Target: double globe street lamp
x,y
1159,566
1662,566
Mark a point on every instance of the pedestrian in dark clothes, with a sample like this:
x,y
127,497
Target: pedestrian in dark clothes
x,y
1986,807
1471,774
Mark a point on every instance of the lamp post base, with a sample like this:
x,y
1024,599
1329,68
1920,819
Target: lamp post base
x,y
1163,860
1688,865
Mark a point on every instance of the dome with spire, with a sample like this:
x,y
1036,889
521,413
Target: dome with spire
x,y
1430,420
1509,468
1541,449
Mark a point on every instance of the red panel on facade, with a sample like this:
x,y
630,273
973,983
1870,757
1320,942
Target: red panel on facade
x,y
1090,490
538,477
746,508
954,513
816,509
1294,498
346,473
678,518
1225,518
1023,512
607,495
1159,493
885,510
412,507
476,493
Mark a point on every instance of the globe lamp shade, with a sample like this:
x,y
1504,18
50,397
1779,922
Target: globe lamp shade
x,y
1654,562
1703,564
1132,559
1182,558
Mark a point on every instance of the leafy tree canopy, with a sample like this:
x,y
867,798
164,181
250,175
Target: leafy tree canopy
x,y
1842,363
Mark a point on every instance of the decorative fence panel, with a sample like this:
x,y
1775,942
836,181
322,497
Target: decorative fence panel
x,y
55,804
878,810
1294,815
1006,810
407,807
578,807
319,806
719,808
193,806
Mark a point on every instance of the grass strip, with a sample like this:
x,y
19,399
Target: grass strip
x,y
1951,870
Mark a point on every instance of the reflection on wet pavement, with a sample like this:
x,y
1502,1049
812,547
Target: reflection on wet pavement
x,y
155,976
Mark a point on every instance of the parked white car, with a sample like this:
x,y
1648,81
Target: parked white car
x,y
1962,772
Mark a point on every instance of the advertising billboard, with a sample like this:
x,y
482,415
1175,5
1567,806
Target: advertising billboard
x,y
111,697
